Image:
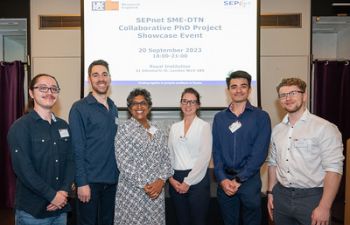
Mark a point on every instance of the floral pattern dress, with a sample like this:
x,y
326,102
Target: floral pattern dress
x,y
141,159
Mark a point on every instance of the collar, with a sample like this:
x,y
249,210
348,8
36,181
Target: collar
x,y
247,106
135,121
304,117
36,116
92,100
193,121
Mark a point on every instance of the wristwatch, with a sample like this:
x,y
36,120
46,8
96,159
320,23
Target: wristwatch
x,y
269,192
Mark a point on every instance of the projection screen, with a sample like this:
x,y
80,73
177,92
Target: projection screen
x,y
166,46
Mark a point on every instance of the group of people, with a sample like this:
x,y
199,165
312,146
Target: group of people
x,y
118,170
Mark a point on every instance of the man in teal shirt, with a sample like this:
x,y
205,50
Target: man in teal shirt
x,y
93,121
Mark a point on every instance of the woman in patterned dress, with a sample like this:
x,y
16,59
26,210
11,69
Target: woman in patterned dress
x,y
144,162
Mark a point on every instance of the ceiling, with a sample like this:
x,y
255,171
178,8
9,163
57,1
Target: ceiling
x,y
13,27
330,24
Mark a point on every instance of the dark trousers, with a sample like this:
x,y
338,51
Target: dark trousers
x,y
244,206
294,206
192,207
100,209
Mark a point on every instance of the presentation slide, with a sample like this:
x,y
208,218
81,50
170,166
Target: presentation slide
x,y
166,46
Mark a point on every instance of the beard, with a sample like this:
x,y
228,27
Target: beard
x,y
99,90
295,108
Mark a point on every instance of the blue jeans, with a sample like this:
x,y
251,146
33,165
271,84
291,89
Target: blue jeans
x,y
23,218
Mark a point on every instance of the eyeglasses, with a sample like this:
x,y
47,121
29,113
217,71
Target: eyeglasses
x,y
289,94
45,89
188,102
142,104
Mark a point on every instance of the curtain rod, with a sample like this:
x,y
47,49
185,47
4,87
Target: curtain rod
x,y
346,61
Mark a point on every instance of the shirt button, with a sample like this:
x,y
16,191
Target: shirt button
x,y
289,137
288,171
56,178
42,140
286,159
56,160
16,150
54,143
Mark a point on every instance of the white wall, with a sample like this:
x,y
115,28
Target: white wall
x,y
57,52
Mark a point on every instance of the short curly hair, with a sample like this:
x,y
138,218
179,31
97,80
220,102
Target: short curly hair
x,y
292,81
137,92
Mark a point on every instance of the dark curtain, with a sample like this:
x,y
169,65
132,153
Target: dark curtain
x,y
11,108
332,100
332,93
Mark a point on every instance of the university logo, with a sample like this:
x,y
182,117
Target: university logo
x,y
105,5
237,3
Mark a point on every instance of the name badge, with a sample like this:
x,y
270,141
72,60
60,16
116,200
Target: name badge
x,y
152,130
63,133
235,126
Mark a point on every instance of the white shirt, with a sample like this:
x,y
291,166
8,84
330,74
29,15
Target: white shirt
x,y
191,151
303,153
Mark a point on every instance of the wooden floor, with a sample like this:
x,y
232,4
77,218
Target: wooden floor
x,y
7,217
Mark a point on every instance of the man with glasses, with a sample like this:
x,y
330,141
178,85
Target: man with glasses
x,y
305,161
241,136
94,121
42,158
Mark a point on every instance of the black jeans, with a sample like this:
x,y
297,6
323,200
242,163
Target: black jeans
x,y
100,209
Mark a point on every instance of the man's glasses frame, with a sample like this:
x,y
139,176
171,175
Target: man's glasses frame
x,y
289,94
45,89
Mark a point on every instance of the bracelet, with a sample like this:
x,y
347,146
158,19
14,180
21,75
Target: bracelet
x,y
269,192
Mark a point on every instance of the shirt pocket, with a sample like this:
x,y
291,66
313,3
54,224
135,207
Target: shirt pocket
x,y
41,148
302,144
304,147
64,145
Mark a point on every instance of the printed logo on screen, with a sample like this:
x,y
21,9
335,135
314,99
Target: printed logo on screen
x,y
237,3
105,5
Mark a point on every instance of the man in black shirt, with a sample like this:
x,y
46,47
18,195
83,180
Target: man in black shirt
x,y
42,158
